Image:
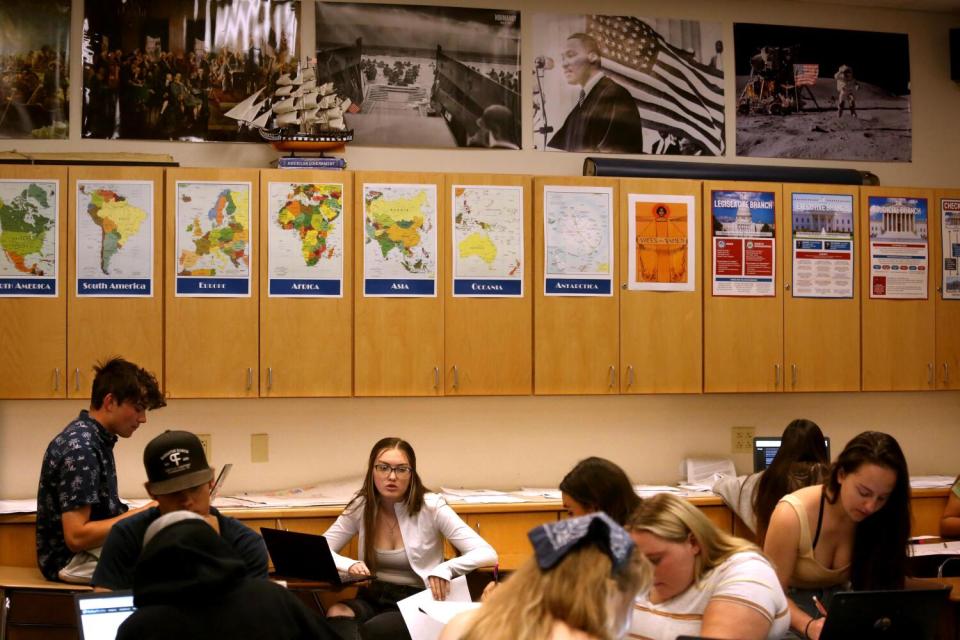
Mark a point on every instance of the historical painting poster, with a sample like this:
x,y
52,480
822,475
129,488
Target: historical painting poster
x,y
822,94
661,229
34,68
899,249
171,70
626,84
424,76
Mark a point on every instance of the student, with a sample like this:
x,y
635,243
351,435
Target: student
x,y
578,586
705,582
190,583
400,527
854,528
950,522
596,484
178,478
77,498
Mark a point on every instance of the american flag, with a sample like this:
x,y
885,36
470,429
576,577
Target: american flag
x,y
805,74
674,93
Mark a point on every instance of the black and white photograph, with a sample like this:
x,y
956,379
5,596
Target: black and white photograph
x,y
626,84
34,68
424,76
171,70
822,94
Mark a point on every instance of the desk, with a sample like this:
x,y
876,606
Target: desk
x,y
37,608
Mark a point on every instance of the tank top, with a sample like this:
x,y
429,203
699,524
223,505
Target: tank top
x,y
394,567
808,573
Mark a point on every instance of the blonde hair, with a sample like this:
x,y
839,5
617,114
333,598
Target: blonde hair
x,y
576,592
675,520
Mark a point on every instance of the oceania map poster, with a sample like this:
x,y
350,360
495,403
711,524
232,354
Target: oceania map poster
x,y
115,238
213,241
487,241
578,241
399,240
305,239
28,238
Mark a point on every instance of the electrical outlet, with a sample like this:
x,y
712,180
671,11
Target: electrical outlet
x,y
259,447
206,441
741,439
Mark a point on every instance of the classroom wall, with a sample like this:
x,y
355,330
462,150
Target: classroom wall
x,y
506,442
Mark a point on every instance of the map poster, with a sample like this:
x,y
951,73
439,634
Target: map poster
x,y
822,245
899,256
950,232
661,229
305,240
400,240
488,240
213,239
29,228
744,243
115,238
578,241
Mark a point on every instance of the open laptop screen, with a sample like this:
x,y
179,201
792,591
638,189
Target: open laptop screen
x,y
765,449
99,615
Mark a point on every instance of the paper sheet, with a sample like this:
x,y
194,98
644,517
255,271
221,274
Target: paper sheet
x,y
421,625
935,549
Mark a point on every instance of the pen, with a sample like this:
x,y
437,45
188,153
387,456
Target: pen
x,y
820,608
496,572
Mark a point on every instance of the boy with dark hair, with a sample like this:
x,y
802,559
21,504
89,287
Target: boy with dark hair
x,y
77,497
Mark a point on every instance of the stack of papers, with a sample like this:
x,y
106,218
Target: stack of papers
x,y
425,617
18,506
539,492
934,548
931,482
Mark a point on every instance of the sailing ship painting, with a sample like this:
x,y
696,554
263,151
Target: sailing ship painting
x,y
299,115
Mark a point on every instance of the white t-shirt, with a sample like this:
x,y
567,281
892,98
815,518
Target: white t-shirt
x,y
745,578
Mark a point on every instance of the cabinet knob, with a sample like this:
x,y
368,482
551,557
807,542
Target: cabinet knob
x,y
456,377
249,378
613,376
629,376
776,376
794,370
269,378
56,379
76,379
930,377
946,373
436,378
786,286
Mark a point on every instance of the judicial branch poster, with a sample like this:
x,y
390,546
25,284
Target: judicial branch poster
x,y
578,241
823,245
115,239
29,228
899,252
661,231
305,240
950,234
213,240
487,241
744,243
400,240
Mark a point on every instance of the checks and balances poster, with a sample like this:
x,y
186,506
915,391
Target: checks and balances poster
x,y
950,234
899,256
822,245
744,243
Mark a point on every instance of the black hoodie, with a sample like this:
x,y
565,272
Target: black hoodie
x,y
189,583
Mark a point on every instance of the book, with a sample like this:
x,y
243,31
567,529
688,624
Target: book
x,y
310,162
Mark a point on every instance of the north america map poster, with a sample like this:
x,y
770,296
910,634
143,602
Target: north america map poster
x,y
487,241
29,228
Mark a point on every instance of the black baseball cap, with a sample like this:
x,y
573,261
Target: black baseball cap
x,y
175,461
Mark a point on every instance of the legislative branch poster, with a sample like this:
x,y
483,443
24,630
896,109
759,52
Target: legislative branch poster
x,y
578,241
400,240
661,230
487,225
305,240
744,243
823,245
213,240
28,238
899,255
115,241
950,234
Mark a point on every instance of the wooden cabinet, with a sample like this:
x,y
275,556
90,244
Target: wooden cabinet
x,y
306,342
101,327
33,346
661,332
398,341
947,310
507,533
488,340
898,345
576,338
212,342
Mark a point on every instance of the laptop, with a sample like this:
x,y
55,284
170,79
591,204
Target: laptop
x,y
100,614
765,449
221,478
885,615
304,556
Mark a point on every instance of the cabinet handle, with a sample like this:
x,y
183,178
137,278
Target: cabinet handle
x,y
249,378
629,376
436,377
76,379
56,379
794,369
478,526
776,375
456,377
613,374
930,374
946,373
269,378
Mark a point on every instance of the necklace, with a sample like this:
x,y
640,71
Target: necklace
x,y
390,527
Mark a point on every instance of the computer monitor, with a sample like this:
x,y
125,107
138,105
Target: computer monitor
x,y
100,614
765,449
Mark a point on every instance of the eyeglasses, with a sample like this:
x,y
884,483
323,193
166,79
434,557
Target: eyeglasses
x,y
402,470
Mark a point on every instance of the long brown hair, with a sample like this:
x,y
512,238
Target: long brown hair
x,y
369,497
601,485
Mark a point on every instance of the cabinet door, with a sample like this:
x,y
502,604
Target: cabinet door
x,y
211,342
306,343
398,345
821,335
507,533
898,334
945,238
742,336
489,339
576,338
661,331
33,328
101,327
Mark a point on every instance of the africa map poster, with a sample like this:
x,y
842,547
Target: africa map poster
x,y
29,228
578,241
115,238
487,241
